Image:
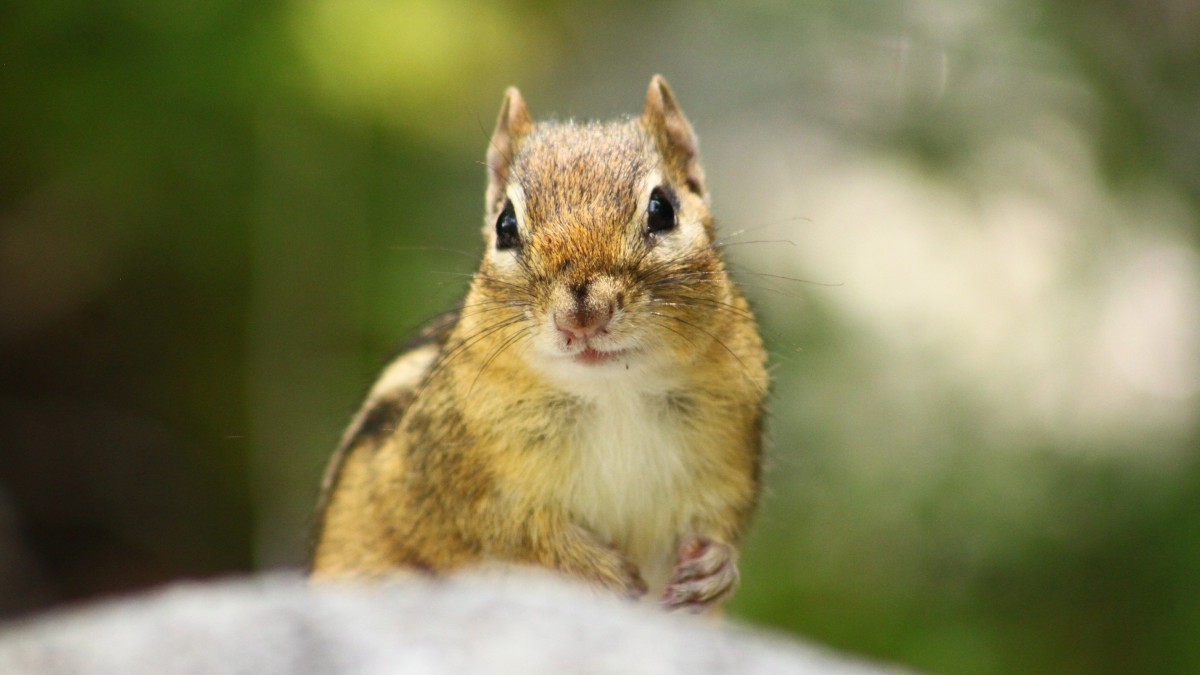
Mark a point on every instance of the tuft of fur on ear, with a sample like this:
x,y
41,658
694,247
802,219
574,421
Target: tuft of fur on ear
x,y
664,120
513,124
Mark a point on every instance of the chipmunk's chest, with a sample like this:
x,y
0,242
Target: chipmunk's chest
x,y
631,455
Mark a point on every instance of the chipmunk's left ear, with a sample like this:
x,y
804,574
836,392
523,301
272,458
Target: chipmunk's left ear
x,y
512,125
664,120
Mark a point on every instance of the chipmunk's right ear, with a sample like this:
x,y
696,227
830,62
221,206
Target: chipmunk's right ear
x,y
665,121
512,125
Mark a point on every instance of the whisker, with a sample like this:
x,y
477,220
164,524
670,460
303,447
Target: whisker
x,y
666,326
512,305
469,341
466,343
763,226
669,282
517,288
737,270
745,370
724,245
443,249
524,332
495,301
687,301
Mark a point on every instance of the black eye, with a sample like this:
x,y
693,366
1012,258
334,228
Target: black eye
x,y
506,228
660,213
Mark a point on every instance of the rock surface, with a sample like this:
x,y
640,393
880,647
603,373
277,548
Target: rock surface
x,y
277,623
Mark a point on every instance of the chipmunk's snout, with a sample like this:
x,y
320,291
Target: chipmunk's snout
x,y
581,325
584,309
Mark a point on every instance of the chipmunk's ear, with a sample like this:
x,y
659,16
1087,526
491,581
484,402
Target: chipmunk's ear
x,y
513,124
664,120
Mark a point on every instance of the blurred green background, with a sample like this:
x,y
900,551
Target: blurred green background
x,y
970,230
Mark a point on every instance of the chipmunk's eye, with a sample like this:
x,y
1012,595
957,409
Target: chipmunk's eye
x,y
660,213
506,228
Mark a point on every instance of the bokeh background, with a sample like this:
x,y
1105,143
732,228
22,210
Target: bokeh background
x,y
970,230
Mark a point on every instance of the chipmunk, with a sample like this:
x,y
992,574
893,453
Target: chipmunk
x,y
596,404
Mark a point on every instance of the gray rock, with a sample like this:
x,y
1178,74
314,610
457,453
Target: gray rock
x,y
523,623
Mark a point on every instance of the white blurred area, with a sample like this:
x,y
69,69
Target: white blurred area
x,y
1063,311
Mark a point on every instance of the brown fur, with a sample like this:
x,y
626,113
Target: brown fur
x,y
472,455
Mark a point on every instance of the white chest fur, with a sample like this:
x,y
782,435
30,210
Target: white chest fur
x,y
630,478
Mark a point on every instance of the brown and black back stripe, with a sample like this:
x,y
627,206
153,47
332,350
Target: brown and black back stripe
x,y
371,426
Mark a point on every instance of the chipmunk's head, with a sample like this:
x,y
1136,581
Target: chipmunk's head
x,y
600,252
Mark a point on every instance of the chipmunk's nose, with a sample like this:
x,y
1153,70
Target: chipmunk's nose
x,y
581,323
584,317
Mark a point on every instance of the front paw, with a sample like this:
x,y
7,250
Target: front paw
x,y
603,566
620,576
705,575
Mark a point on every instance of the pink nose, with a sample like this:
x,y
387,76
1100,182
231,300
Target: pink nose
x,y
581,325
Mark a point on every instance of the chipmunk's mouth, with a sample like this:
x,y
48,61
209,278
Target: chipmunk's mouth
x,y
592,357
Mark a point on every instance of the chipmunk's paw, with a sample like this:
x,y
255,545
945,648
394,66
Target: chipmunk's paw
x,y
623,578
705,575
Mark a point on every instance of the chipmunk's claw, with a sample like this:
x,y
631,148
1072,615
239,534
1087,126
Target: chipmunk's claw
x,y
705,575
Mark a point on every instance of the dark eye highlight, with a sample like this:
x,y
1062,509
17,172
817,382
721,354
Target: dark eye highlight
x,y
660,212
506,228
